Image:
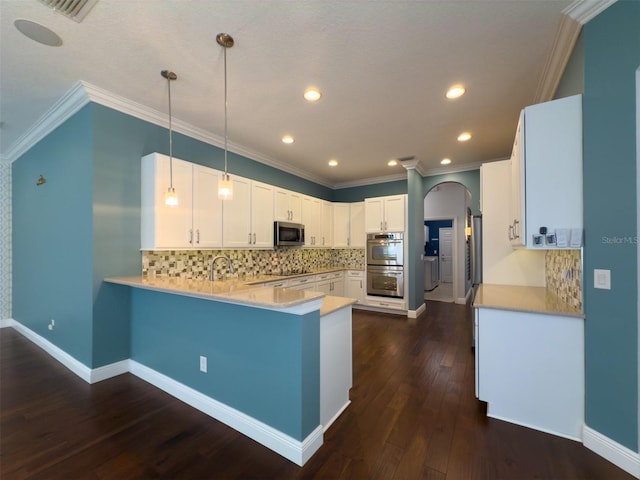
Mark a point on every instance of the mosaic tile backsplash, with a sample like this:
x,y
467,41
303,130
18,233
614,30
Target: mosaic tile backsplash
x,y
5,241
247,263
563,271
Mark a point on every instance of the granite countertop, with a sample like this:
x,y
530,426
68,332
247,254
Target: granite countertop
x,y
237,291
523,299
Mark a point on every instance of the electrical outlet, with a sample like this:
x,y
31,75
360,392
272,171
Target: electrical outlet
x,y
52,325
203,364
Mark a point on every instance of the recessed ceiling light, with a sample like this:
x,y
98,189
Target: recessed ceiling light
x,y
38,33
333,163
445,161
312,94
455,91
392,163
464,136
287,139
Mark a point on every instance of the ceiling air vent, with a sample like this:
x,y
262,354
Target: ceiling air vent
x,y
74,9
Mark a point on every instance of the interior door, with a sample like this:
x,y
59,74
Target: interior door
x,y
446,255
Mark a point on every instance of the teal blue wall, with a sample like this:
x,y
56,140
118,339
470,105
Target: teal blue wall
x,y
612,55
266,365
52,237
357,194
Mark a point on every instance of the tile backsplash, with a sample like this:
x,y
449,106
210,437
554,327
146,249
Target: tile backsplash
x,y
196,263
563,271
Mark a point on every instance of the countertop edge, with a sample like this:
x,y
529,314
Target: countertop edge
x,y
298,306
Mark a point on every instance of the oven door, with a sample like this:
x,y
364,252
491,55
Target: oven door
x,y
385,281
384,252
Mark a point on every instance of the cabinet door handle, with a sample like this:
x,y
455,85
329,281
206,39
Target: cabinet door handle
x,y
511,232
198,236
254,238
516,230
381,227
191,236
249,238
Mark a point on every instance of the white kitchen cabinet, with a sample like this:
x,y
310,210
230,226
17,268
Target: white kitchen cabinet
x,y
530,369
317,217
385,214
357,235
546,173
311,217
326,231
330,283
196,222
354,285
348,225
341,224
248,217
303,283
287,206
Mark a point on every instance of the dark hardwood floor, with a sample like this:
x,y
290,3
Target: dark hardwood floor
x,y
413,416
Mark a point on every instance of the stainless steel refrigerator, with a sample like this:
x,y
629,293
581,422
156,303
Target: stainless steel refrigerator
x,y
476,265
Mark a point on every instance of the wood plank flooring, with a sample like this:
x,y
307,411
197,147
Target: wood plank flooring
x,y
413,416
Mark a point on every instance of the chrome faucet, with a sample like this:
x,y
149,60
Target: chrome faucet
x,y
215,259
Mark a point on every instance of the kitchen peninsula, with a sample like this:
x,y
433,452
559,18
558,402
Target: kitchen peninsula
x,y
272,363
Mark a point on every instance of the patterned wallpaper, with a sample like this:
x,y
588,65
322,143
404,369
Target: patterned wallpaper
x,y
5,241
563,271
196,264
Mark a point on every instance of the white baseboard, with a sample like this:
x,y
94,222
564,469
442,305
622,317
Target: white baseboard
x,y
7,322
290,448
335,417
619,455
80,369
418,312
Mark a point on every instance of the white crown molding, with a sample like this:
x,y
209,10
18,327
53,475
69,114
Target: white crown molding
x,y
561,51
83,92
582,11
72,101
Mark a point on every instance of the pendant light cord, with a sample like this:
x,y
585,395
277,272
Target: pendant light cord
x,y
225,114
170,138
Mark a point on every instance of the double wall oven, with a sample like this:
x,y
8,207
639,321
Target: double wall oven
x,y
385,264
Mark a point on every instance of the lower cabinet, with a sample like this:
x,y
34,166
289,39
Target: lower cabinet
x,y
331,283
386,303
530,369
354,285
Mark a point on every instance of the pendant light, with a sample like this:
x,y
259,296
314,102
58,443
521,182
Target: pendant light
x,y
225,185
170,198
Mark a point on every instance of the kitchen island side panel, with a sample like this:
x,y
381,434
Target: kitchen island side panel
x,y
263,363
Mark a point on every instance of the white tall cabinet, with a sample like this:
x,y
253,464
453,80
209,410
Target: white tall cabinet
x,y
197,219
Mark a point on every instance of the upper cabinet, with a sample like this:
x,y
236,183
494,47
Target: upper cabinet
x,y
546,176
348,225
248,217
385,214
195,222
317,217
287,206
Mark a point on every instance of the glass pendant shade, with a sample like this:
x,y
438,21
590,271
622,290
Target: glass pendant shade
x,y
171,198
225,188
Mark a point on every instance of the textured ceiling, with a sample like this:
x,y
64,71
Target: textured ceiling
x,y
383,68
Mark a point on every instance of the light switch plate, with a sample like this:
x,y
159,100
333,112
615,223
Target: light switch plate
x,y
602,279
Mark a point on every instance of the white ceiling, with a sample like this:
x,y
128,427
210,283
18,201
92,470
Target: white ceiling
x,y
383,68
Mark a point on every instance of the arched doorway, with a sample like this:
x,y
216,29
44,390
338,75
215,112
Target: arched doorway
x,y
446,248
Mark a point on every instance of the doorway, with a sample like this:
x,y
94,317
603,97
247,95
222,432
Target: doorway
x,y
447,201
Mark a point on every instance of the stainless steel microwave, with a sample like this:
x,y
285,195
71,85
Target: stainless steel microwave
x,y
286,234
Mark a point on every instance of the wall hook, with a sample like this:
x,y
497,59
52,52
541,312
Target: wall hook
x,y
41,181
